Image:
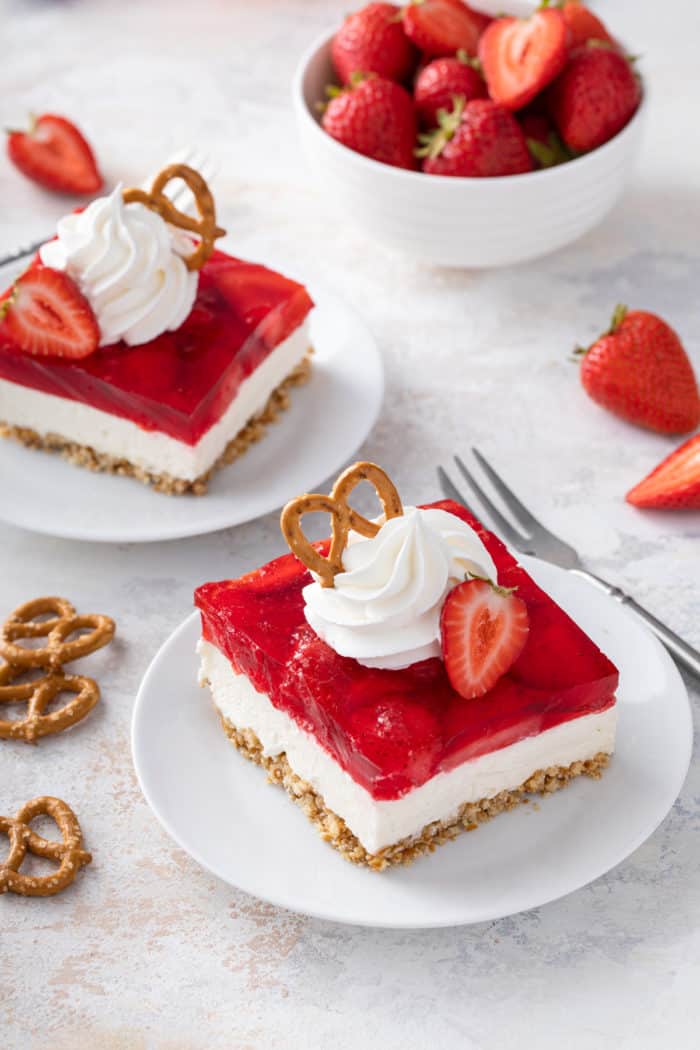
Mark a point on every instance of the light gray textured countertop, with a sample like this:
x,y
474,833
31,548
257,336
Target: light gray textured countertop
x,y
148,952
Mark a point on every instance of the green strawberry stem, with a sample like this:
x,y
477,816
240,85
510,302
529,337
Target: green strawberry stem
x,y
433,142
469,60
549,154
505,592
7,304
618,316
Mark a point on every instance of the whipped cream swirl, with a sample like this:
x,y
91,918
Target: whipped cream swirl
x,y
127,261
384,609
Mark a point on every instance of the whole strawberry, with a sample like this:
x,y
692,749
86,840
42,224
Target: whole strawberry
x,y
583,25
375,117
441,80
639,370
674,484
594,97
479,138
372,40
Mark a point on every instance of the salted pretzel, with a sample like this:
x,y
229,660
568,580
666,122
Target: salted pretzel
x,y
205,227
61,622
38,694
344,518
69,852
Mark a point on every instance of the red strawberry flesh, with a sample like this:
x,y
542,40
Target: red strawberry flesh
x,y
484,630
520,57
46,314
55,154
674,484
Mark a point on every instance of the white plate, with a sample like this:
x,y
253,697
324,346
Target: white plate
x,y
327,421
220,809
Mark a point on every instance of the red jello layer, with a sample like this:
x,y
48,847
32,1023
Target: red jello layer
x,y
394,730
182,382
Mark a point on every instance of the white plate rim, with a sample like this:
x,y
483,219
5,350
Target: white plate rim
x,y
328,915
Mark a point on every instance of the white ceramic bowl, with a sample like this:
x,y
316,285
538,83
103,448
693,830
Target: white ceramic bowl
x,y
450,221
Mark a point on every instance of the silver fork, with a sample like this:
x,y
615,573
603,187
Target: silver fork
x,y
533,538
180,195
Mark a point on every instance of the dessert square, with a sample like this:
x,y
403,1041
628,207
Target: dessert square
x,y
187,385
389,762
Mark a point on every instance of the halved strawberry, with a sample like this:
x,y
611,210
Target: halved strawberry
x,y
484,630
47,314
441,80
443,27
674,484
55,154
521,56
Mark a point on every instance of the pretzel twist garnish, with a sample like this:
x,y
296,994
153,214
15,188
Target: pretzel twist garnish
x,y
344,518
59,649
69,853
205,227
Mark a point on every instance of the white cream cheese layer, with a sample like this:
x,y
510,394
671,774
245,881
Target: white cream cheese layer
x,y
380,823
152,450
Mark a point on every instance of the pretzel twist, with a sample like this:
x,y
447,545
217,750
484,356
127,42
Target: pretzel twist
x,y
59,649
69,852
205,227
344,518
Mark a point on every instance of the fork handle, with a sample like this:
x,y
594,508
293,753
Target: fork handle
x,y
23,252
683,653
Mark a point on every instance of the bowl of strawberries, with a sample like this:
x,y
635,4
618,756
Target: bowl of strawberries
x,y
466,140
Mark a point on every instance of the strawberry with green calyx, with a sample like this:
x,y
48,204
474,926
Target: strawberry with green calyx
x,y
640,371
443,27
46,314
373,40
595,97
54,153
545,146
478,138
674,484
442,80
484,629
522,56
582,24
375,117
